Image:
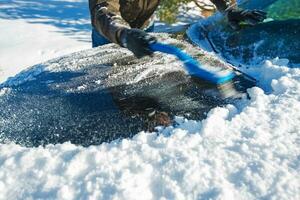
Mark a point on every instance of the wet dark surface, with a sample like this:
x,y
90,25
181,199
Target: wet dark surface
x,y
277,36
257,43
93,97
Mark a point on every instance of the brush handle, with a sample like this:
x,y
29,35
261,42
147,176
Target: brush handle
x,y
193,66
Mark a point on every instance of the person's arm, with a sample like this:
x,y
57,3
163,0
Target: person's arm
x,y
221,5
236,15
106,20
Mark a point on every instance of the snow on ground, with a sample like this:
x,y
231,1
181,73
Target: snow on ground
x,y
36,31
250,150
247,151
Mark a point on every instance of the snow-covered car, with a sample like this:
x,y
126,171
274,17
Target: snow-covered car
x,y
103,94
277,36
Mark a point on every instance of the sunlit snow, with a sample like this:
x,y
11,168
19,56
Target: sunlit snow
x,y
250,150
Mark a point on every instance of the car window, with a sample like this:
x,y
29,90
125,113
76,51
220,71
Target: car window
x,y
277,9
255,4
284,9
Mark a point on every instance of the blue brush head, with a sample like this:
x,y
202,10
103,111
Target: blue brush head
x,y
193,67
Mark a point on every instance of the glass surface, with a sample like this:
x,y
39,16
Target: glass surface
x,y
284,9
278,36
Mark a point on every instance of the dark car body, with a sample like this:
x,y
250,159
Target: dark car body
x,y
104,94
278,36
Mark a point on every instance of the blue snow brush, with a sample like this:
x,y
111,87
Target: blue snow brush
x,y
193,67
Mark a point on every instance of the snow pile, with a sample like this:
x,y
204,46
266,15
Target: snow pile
x,y
247,151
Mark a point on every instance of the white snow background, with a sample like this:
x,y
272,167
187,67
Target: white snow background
x,y
34,31
250,150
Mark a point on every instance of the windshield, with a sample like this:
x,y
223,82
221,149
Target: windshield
x,y
284,9
276,9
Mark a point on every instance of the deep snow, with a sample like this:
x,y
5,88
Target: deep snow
x,y
250,150
247,151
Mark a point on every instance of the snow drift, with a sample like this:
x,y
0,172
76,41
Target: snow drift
x,y
249,150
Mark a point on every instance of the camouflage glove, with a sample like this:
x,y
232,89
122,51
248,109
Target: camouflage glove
x,y
252,17
137,41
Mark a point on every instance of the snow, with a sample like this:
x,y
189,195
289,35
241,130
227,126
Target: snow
x,y
250,150
31,32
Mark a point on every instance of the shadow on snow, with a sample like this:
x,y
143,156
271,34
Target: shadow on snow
x,y
72,17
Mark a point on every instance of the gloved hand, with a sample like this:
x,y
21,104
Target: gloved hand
x,y
137,41
252,17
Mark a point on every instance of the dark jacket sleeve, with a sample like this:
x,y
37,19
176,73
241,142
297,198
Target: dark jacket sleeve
x,y
106,19
222,5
